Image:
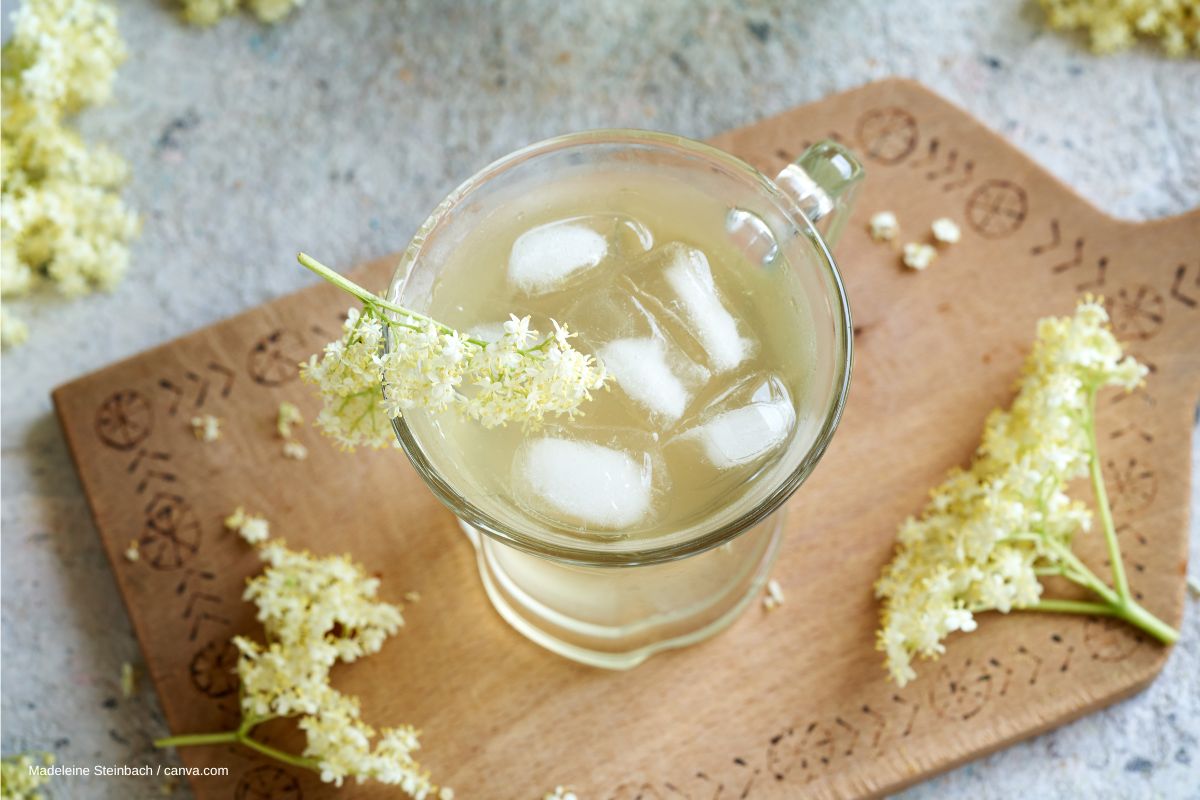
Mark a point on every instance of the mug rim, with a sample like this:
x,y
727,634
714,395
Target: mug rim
x,y
581,554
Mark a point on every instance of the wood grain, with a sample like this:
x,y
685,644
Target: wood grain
x,y
790,704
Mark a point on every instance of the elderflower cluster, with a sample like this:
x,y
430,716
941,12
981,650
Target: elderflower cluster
x,y
206,12
1114,24
317,612
251,527
19,782
63,54
986,532
518,378
62,222
287,416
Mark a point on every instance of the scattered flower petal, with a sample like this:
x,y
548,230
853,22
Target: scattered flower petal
x,y
884,226
287,416
129,679
918,256
774,596
945,230
206,428
295,451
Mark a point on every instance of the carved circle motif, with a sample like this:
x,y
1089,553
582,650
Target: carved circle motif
x,y
124,420
213,669
962,693
268,783
888,135
1137,312
997,208
1109,640
171,535
274,359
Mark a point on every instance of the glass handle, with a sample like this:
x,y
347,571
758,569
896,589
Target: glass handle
x,y
823,182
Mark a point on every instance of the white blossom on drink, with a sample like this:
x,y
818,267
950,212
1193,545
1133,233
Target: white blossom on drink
x,y
347,375
519,378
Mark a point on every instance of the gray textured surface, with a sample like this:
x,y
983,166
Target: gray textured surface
x,y
340,129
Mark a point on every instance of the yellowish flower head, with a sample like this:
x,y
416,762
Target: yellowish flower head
x,y
519,378
986,531
206,12
1113,25
316,612
18,781
62,222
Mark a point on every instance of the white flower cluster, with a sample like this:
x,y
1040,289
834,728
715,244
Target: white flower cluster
x,y
18,781
287,416
62,222
346,374
519,378
63,54
206,12
253,528
988,532
317,612
1114,24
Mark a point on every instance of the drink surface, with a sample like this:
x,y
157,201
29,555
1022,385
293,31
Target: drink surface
x,y
707,348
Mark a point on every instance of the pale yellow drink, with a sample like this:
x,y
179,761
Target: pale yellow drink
x,y
706,347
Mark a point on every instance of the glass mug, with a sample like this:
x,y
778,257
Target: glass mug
x,y
612,601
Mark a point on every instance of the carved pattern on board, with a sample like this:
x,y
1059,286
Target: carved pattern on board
x,y
124,420
268,782
997,208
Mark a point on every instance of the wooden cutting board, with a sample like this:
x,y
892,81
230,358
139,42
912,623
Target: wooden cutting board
x,y
784,704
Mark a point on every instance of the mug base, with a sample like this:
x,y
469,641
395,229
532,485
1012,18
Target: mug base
x,y
617,617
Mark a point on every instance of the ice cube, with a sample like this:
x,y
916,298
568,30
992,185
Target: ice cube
x,y
652,368
601,487
640,368
742,426
550,257
691,294
544,257
634,236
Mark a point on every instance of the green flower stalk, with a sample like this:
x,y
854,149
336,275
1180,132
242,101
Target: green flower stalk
x,y
989,533
315,612
522,377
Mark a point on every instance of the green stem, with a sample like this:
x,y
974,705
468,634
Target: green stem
x,y
1079,573
1118,602
1072,607
239,736
369,298
1120,582
197,739
287,758
1133,613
